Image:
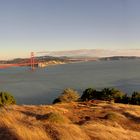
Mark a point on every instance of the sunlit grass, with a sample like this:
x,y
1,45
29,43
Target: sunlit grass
x,y
69,121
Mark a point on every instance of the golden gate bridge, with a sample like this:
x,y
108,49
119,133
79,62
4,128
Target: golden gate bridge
x,y
30,62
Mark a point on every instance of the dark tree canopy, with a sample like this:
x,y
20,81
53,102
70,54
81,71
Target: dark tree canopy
x,y
135,99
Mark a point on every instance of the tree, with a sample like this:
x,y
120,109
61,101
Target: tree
x,y
126,99
112,94
135,99
68,95
6,99
89,94
106,94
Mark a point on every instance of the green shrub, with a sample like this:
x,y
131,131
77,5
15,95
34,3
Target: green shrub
x,y
6,99
68,95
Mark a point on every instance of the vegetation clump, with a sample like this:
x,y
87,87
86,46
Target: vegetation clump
x,y
111,94
54,117
106,94
113,116
68,95
89,94
6,99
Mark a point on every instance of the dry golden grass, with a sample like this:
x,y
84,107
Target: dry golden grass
x,y
70,121
98,131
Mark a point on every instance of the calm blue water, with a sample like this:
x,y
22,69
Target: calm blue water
x,y
43,85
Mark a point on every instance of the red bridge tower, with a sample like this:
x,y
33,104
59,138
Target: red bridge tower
x,y
32,61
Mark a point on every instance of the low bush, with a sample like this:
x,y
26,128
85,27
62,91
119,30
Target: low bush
x,y
68,95
6,99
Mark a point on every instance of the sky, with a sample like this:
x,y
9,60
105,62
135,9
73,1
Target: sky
x,y
56,25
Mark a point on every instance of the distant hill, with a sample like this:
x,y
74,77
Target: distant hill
x,y
119,58
66,59
39,59
81,55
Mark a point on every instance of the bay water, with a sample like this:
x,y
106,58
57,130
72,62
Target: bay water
x,y
43,85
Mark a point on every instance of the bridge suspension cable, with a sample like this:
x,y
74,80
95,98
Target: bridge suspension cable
x,y
32,61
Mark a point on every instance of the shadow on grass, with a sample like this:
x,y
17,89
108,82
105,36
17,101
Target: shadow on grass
x,y
84,120
7,134
37,116
52,131
132,117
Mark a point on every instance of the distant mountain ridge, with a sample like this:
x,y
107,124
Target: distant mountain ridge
x,y
119,58
81,55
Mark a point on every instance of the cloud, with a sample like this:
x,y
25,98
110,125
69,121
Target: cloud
x,y
95,52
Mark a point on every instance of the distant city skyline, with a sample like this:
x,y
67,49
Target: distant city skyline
x,y
57,25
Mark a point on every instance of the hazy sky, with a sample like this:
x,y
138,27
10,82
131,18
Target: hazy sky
x,y
47,25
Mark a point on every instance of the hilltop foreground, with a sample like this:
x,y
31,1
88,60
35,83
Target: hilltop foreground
x,y
71,121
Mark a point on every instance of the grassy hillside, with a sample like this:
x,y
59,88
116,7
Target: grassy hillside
x,y
71,121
